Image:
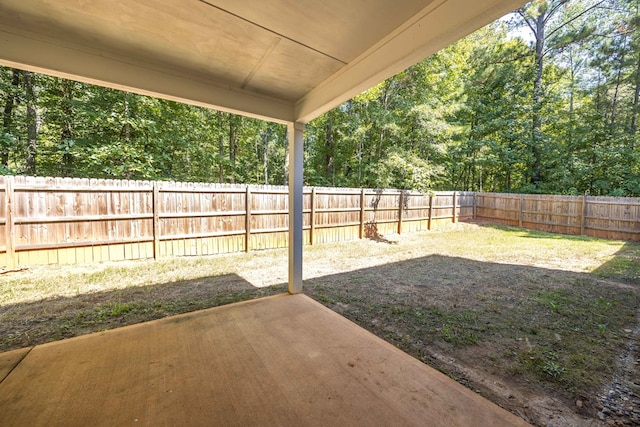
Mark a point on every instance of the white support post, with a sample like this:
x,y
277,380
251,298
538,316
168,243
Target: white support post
x,y
296,147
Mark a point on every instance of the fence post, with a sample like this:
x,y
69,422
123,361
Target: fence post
x,y
247,220
521,214
475,205
362,213
430,211
312,231
455,207
10,237
400,203
583,216
156,220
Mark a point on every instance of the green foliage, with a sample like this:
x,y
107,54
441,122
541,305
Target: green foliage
x,y
406,170
90,131
625,266
490,112
544,364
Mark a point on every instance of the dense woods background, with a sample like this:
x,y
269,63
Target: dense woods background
x,y
543,101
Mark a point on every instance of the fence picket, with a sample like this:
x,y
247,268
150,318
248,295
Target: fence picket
x,y
48,220
604,217
10,239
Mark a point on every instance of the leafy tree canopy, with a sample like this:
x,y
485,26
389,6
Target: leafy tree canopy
x,y
555,111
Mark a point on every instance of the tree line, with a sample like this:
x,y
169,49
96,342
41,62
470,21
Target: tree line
x,y
544,101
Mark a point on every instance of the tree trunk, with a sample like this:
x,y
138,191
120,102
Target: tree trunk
x,y
382,136
572,89
32,123
126,132
234,125
636,107
126,128
265,156
472,171
329,152
220,148
536,111
614,102
7,116
67,126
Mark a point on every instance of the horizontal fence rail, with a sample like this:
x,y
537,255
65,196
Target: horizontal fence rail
x,y
70,220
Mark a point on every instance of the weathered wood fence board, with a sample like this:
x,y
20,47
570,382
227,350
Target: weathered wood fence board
x,y
65,220
605,217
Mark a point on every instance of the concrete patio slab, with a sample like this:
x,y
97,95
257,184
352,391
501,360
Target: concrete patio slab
x,y
283,360
10,359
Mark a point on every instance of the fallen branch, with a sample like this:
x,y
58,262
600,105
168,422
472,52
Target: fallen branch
x,y
13,270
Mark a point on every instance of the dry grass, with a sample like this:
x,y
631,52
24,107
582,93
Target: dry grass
x,y
542,314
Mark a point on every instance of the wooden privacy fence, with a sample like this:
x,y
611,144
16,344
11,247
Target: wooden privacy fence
x,y
65,220
604,217
68,220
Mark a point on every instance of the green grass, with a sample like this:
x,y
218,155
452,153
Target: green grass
x,y
537,300
530,306
625,265
577,335
43,282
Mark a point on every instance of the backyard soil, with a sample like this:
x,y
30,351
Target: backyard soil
x,y
488,366
543,329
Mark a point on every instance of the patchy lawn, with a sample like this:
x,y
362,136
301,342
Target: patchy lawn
x,y
544,325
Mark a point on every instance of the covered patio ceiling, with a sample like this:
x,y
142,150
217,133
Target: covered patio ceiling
x,y
279,60
287,61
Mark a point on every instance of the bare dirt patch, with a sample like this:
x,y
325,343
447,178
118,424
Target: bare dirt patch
x,y
544,325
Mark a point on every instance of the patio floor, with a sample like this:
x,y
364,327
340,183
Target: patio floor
x,y
283,360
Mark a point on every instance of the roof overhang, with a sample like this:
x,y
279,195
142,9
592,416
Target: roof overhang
x,y
278,60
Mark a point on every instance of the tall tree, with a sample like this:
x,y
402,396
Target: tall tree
x,y
33,122
547,22
10,102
